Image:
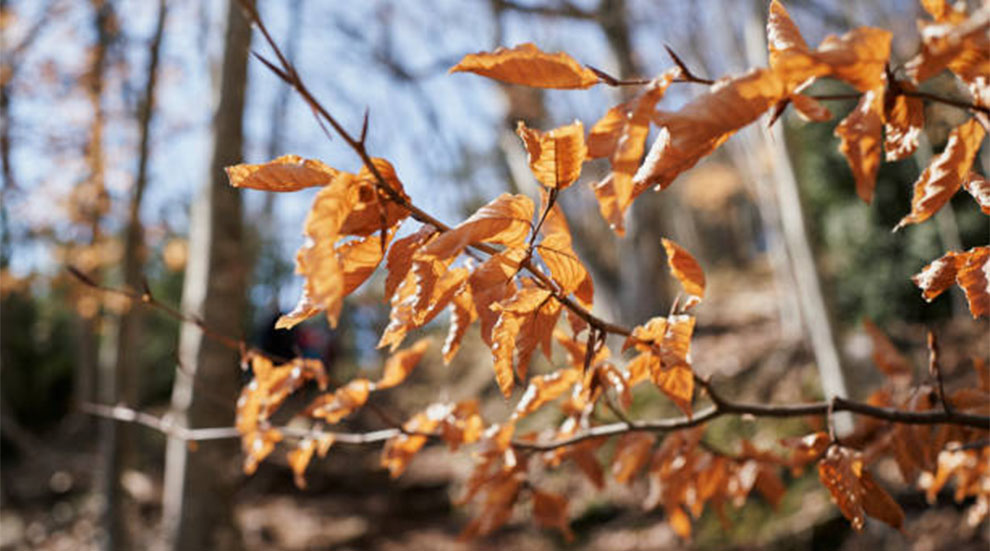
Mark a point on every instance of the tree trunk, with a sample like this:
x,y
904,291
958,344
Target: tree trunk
x,y
199,485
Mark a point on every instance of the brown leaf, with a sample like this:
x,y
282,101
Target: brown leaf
x,y
621,136
491,283
550,511
943,177
854,491
257,445
632,453
359,258
399,365
705,123
958,43
904,119
558,254
428,288
677,382
679,521
373,210
555,157
462,315
505,221
974,278
543,389
400,257
316,260
286,173
979,187
399,450
514,313
299,459
885,355
344,401
527,65
810,109
967,269
782,34
860,134
687,270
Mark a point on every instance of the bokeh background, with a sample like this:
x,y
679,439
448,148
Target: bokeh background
x,y
97,177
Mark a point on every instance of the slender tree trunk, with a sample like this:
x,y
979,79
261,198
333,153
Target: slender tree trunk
x,y
199,486
120,349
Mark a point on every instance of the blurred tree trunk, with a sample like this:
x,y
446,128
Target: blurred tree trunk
x,y
119,357
199,485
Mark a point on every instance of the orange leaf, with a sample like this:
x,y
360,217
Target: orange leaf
x,y
555,157
854,491
558,254
256,446
943,177
317,259
399,365
462,315
399,450
550,511
286,173
979,187
359,258
968,269
506,221
958,43
687,270
705,123
885,355
344,401
679,521
527,65
514,313
299,459
621,136
491,282
400,257
373,211
904,118
782,34
974,278
543,389
860,134
810,109
632,452
677,382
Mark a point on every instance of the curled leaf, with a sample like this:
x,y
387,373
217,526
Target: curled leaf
x,y
970,270
687,270
400,364
286,173
344,401
528,65
946,173
860,135
505,221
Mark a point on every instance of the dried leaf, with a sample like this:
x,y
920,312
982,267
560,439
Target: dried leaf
x,y
400,257
968,269
957,43
257,445
555,157
515,312
687,270
286,173
299,459
399,365
705,123
621,136
550,511
399,450
677,382
491,283
810,109
782,34
679,521
462,315
543,389
527,65
885,355
374,211
317,260
359,258
505,221
904,119
979,187
344,401
943,177
632,453
854,491
558,254
860,134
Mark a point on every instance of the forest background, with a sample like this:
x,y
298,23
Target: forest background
x,y
114,124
